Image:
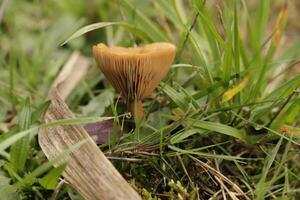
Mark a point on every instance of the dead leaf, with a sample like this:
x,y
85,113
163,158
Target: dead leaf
x,y
71,74
229,94
88,170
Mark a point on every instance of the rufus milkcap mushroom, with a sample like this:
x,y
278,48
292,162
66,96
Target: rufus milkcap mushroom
x,y
135,72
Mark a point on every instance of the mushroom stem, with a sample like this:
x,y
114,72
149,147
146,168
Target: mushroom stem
x,y
139,108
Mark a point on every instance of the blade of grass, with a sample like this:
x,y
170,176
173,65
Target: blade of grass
x,y
4,144
280,25
179,98
29,178
219,128
203,154
262,19
180,137
19,151
138,32
200,58
262,187
170,12
208,22
143,21
50,180
285,89
236,40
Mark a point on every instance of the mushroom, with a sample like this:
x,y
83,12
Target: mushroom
x,y
135,72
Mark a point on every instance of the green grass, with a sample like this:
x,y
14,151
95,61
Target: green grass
x,y
217,121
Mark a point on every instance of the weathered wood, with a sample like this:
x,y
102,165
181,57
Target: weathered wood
x,y
88,170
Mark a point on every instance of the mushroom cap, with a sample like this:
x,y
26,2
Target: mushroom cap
x,y
135,72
